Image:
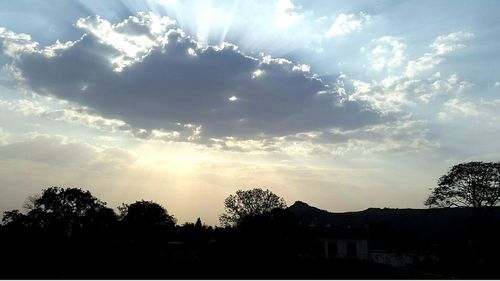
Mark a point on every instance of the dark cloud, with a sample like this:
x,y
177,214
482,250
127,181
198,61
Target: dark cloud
x,y
152,76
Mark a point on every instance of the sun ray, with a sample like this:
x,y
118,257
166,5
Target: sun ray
x,y
229,21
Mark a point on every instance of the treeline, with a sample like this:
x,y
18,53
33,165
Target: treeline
x,y
68,233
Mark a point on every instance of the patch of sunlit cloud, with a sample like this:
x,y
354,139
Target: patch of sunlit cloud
x,y
286,14
257,73
347,23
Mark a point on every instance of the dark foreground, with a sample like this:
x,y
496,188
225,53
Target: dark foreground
x,y
301,242
221,269
210,254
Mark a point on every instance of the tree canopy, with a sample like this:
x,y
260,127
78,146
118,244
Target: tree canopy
x,y
472,184
64,210
146,214
249,203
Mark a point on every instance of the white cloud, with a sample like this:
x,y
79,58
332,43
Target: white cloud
x,y
442,46
449,43
287,14
347,23
14,44
302,67
394,92
133,38
462,108
402,136
74,114
425,63
416,84
381,97
388,53
485,111
257,73
68,114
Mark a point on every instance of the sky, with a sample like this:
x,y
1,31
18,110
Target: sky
x,y
345,105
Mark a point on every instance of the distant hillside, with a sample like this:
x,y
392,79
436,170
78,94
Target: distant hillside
x,y
389,223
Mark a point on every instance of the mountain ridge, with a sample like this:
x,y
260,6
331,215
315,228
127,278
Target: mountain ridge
x,y
438,223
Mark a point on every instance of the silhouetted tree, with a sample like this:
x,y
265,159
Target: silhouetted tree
x,y
198,224
249,203
472,184
67,227
146,228
146,214
64,210
14,217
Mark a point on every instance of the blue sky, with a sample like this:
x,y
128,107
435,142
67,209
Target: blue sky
x,y
342,104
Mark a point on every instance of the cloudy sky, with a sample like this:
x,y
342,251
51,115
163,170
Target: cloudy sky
x,y
345,105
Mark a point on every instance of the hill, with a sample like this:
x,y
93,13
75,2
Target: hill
x,y
409,225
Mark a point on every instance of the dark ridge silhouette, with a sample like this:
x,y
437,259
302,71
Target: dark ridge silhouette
x,y
426,221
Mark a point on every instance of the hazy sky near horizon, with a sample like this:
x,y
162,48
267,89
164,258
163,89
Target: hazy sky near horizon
x,y
345,105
